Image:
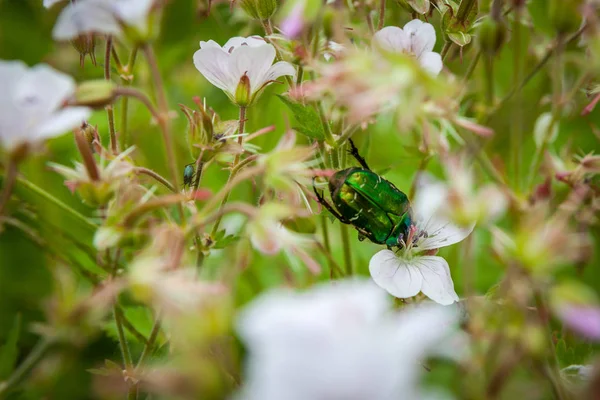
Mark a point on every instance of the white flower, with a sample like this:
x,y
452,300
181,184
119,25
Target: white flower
x,y
409,271
417,38
338,341
31,104
252,57
102,16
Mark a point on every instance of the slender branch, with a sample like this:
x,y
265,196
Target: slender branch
x,y
155,175
33,358
118,314
347,250
163,120
151,340
109,108
446,49
516,139
381,14
9,183
232,173
124,134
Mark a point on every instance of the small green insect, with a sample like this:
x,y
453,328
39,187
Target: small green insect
x,y
189,173
373,205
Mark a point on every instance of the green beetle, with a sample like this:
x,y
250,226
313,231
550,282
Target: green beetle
x,y
373,205
190,175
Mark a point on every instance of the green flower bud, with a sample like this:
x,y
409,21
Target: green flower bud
x,y
260,9
329,20
491,35
243,94
200,129
565,15
96,94
85,44
418,6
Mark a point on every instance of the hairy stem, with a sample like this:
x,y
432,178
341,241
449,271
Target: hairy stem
x,y
124,134
109,108
381,14
516,137
236,160
9,183
347,250
155,175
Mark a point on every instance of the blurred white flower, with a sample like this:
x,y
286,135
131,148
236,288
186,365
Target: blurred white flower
x,y
102,16
242,68
338,341
31,104
413,269
417,38
50,3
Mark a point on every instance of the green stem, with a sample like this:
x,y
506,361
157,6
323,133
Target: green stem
x,y
472,67
489,78
516,137
33,358
446,49
164,118
346,247
124,346
9,183
153,174
151,340
109,108
236,160
125,100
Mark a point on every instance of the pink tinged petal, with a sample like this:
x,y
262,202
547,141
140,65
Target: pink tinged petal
x,y
584,320
61,122
253,61
392,38
437,281
431,62
397,276
213,64
422,36
293,24
84,17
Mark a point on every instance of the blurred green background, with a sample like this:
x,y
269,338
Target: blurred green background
x,y
25,269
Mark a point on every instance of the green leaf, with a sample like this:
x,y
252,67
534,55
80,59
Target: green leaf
x,y
140,318
225,241
9,350
307,117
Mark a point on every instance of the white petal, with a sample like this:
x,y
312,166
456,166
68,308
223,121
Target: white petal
x,y
252,41
132,12
50,3
437,282
61,122
42,90
213,63
422,36
398,277
254,61
429,218
431,62
11,121
209,44
84,17
278,69
392,38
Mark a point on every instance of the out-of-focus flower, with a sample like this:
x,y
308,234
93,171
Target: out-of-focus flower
x,y
293,24
338,341
32,104
413,269
577,306
417,39
111,17
269,236
97,191
242,68
584,320
50,3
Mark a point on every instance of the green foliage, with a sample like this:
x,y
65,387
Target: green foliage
x,y
9,351
309,122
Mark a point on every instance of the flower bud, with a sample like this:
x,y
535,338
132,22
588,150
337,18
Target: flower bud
x,y
329,21
97,93
491,35
418,6
243,93
85,44
565,15
200,129
260,9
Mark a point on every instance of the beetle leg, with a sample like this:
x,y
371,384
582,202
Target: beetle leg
x,y
328,206
354,152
